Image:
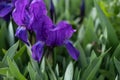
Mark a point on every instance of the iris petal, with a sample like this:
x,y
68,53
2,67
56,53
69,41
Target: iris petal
x,y
37,51
21,33
73,52
61,32
19,13
38,8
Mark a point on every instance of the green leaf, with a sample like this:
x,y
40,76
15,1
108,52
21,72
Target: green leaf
x,y
51,72
14,70
83,58
77,74
42,67
20,52
57,70
117,64
3,71
112,37
93,56
11,34
2,64
11,52
31,71
89,32
3,36
116,52
69,72
92,69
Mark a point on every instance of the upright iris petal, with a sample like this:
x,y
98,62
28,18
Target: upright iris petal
x,y
38,8
37,50
20,13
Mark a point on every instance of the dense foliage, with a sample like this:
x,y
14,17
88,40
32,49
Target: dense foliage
x,y
96,38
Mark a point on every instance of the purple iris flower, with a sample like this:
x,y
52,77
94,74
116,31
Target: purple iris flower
x,y
6,7
32,15
60,35
24,17
48,34
56,35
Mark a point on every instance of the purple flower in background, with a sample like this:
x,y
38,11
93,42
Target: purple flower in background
x,y
6,7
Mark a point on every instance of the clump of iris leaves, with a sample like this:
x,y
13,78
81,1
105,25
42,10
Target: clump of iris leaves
x,y
97,39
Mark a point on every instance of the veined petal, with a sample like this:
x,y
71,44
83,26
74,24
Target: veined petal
x,y
21,33
73,52
38,8
5,9
37,50
19,13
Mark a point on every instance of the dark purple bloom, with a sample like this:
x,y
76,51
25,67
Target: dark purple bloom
x,y
60,35
57,35
6,7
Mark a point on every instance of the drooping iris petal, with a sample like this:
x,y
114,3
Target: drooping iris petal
x,y
37,50
56,37
5,8
20,14
38,8
73,52
41,25
21,33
